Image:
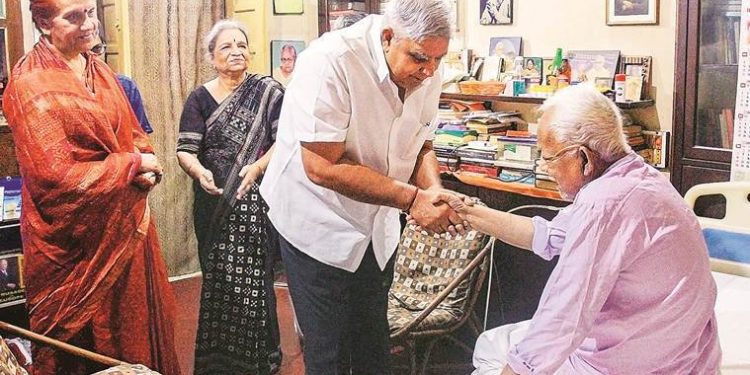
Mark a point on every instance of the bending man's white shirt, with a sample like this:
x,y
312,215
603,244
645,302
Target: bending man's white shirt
x,y
632,292
355,90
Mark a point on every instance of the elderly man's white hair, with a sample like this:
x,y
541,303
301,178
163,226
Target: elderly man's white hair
x,y
580,114
221,25
419,19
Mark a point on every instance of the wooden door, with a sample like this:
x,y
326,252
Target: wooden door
x,y
252,13
113,15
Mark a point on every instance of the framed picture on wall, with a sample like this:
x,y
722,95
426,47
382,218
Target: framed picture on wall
x,y
2,9
495,12
288,7
283,58
632,12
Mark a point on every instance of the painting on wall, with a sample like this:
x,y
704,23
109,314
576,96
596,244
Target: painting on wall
x,y
495,12
288,6
632,12
2,9
283,59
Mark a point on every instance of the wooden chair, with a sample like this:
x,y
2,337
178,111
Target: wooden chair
x,y
436,282
118,367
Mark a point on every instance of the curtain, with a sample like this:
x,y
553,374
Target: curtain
x,y
168,60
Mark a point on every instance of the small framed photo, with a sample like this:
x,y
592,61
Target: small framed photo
x,y
533,69
632,12
287,6
284,58
495,12
637,66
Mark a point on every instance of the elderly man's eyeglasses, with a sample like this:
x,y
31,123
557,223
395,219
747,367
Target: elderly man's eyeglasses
x,y
546,160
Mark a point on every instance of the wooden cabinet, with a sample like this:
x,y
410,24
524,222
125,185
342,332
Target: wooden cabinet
x,y
705,90
329,10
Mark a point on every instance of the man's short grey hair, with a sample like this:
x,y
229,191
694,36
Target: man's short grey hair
x,y
419,19
216,29
580,114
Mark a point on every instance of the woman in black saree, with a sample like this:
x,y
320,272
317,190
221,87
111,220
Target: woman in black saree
x,y
227,132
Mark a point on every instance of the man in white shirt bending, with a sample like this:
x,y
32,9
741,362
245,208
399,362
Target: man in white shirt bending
x,y
353,148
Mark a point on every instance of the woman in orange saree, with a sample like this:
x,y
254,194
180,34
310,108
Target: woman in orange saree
x,y
94,273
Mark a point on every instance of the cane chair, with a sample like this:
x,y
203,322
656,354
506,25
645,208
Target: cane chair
x,y
436,282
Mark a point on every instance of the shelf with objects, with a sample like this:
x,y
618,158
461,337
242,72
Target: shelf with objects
x,y
488,109
706,73
12,283
533,100
12,302
330,10
485,141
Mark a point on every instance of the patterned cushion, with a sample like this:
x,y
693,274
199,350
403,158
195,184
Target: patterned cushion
x,y
128,370
8,363
425,265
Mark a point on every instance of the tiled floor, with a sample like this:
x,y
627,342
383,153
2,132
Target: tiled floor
x,y
188,298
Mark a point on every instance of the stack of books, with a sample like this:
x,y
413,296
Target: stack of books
x,y
492,123
478,158
634,136
518,152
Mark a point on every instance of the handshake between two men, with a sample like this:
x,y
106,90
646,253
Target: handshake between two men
x,y
440,211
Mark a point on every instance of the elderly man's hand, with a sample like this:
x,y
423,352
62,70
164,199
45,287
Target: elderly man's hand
x,y
431,212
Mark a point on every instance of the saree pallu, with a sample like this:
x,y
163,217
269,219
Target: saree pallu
x,y
94,272
237,314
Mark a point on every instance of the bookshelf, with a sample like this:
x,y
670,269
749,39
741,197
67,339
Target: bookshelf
x,y
531,100
508,187
705,91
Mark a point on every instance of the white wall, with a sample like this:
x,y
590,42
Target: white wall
x,y
544,26
294,26
581,24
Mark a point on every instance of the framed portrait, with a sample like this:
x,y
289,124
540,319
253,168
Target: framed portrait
x,y
287,6
533,69
637,66
495,12
588,65
283,59
632,12
507,47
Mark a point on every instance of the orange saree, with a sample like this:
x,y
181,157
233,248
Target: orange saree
x,y
94,273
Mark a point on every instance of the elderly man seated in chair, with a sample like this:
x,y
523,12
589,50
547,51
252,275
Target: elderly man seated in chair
x,y
632,292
